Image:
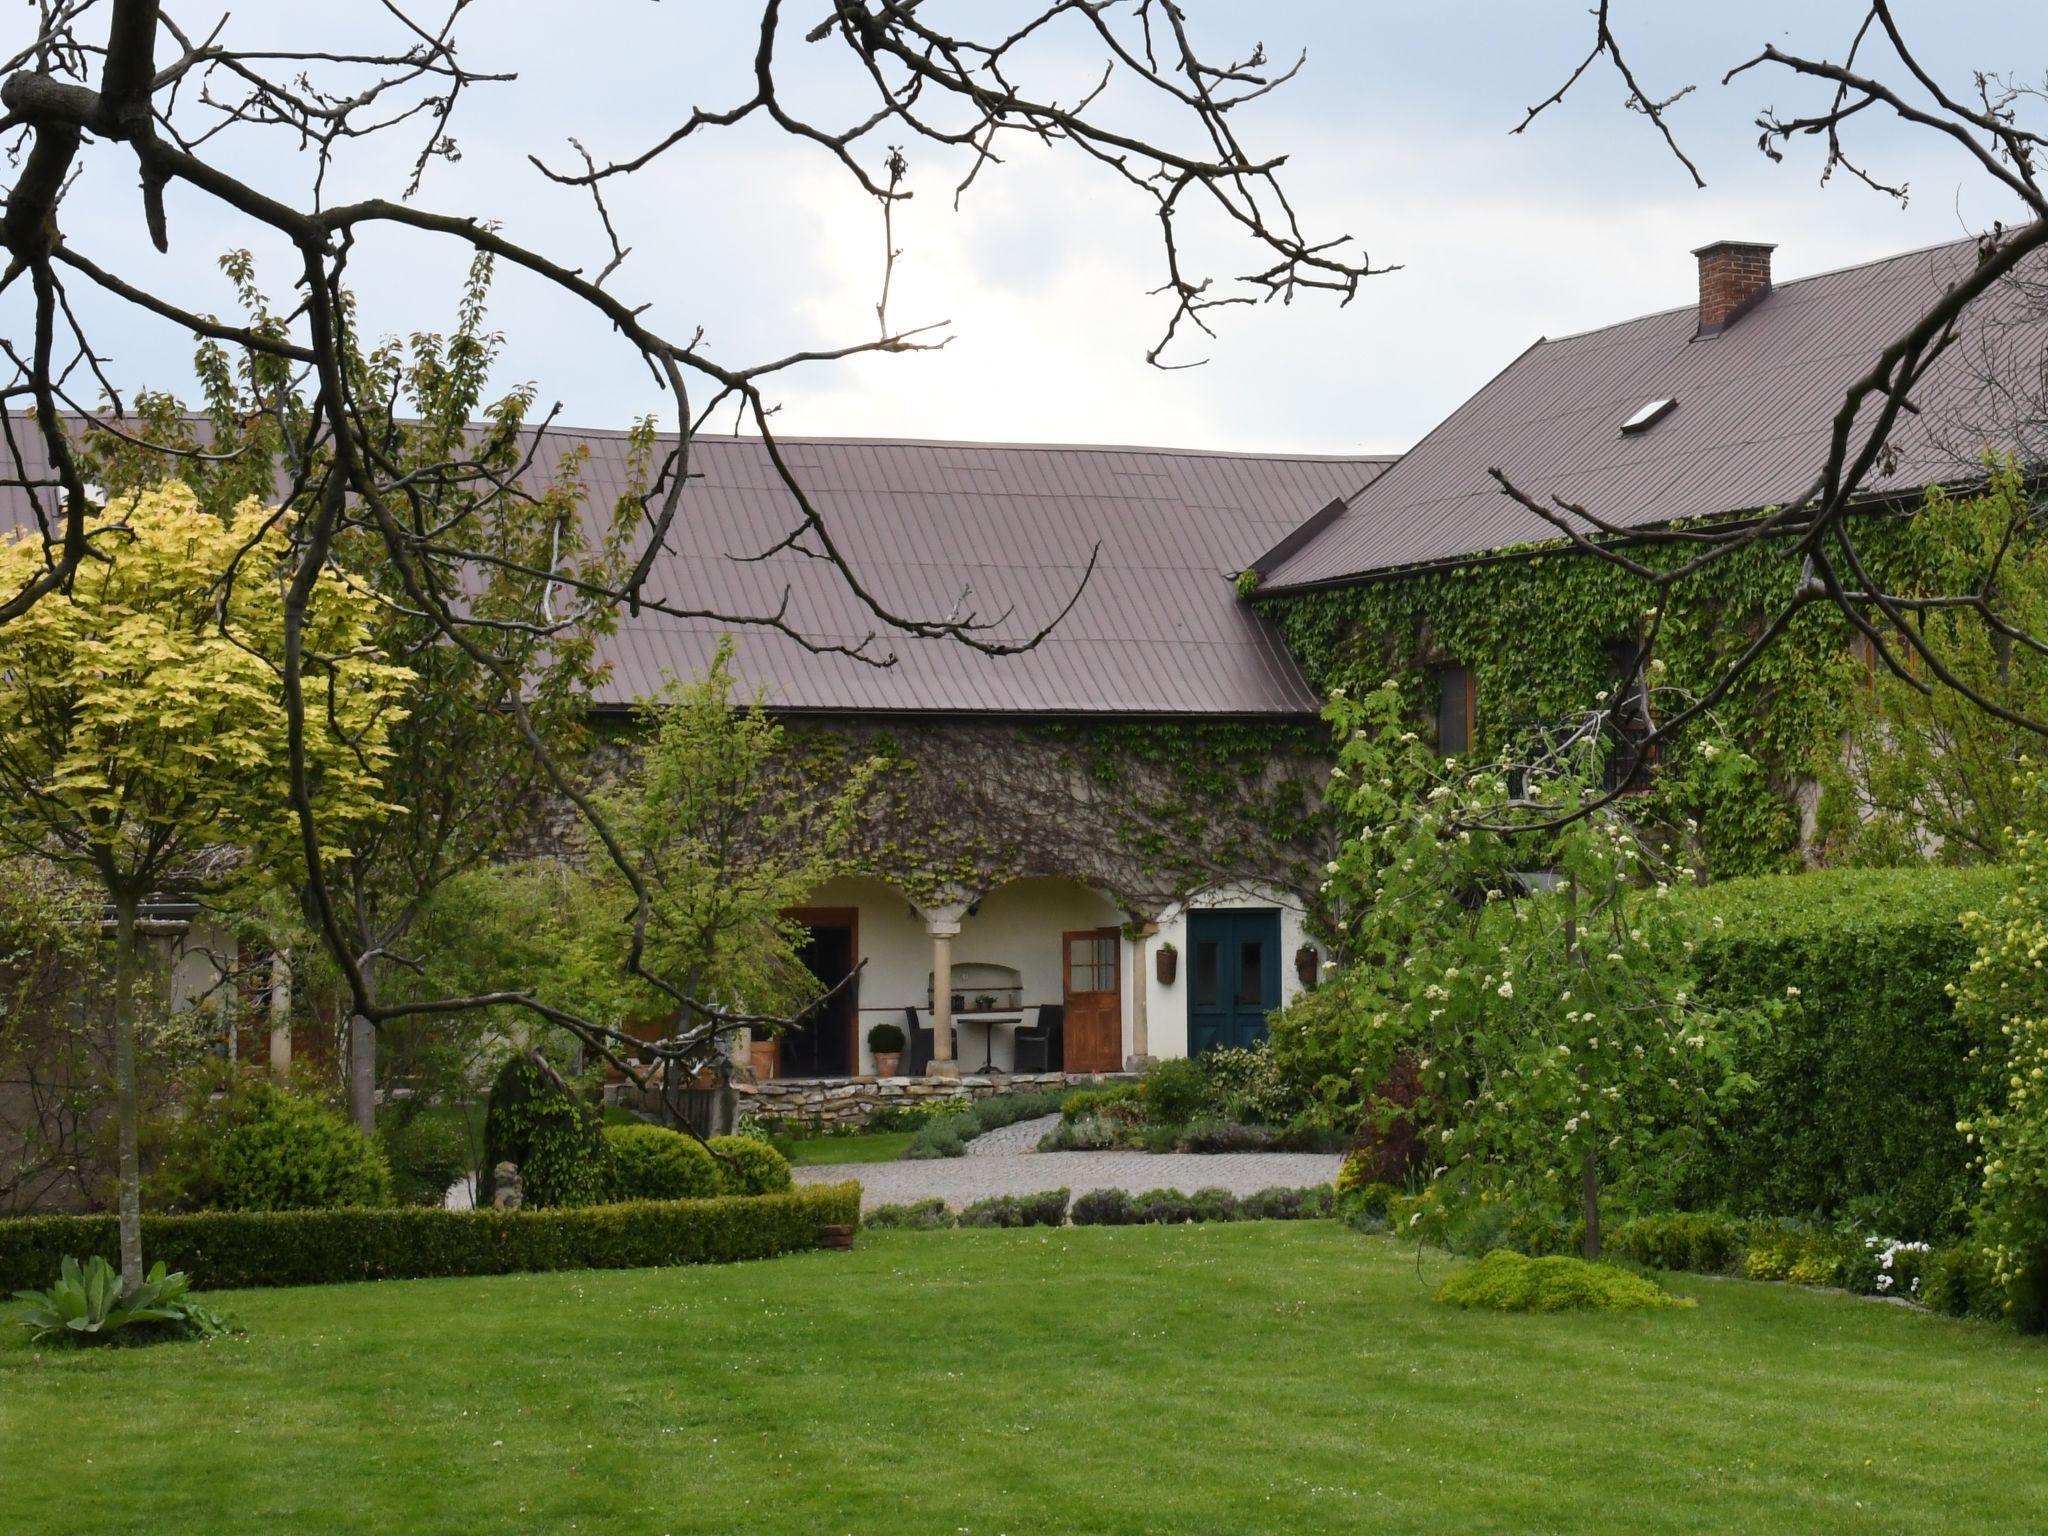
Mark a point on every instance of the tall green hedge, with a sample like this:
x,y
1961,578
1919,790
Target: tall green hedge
x,y
1861,1068
223,1250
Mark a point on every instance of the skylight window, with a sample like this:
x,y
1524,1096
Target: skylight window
x,y
1647,416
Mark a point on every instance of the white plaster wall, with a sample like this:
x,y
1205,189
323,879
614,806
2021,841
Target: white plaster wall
x,y
1166,1008
1018,925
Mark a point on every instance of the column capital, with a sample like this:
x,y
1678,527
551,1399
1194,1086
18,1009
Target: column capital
x,y
942,927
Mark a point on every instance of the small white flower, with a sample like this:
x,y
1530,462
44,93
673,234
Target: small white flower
x,y
1506,989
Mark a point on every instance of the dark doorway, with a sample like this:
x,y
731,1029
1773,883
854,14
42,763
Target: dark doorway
x,y
1235,978
822,1043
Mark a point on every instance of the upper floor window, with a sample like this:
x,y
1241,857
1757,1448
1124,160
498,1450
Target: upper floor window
x,y
1457,717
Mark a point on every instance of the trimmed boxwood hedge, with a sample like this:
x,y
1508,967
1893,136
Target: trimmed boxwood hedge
x,y
1862,1073
224,1250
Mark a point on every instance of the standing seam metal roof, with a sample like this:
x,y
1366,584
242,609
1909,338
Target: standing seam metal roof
x,y
1755,404
996,529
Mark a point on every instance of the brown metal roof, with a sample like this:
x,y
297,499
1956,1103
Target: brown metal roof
x,y
998,529
992,528
1754,405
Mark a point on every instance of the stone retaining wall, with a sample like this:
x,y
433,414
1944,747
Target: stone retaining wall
x,y
839,1101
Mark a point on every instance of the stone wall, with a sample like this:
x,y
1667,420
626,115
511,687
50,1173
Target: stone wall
x,y
842,1101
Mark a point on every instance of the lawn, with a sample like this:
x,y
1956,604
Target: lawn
x,y
874,1147
1284,1377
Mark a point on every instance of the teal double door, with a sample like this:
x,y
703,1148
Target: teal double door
x,y
1233,978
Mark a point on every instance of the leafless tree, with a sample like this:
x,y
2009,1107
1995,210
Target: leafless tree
x,y
1996,123
112,88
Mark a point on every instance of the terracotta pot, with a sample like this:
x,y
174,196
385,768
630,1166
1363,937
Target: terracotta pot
x,y
888,1063
1166,965
763,1054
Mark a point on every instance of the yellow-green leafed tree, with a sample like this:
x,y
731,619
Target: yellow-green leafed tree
x,y
143,731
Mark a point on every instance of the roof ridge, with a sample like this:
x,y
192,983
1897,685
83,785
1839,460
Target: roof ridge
x,y
1776,287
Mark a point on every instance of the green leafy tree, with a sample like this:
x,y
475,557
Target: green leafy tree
x,y
1926,772
519,674
147,726
723,845
1505,931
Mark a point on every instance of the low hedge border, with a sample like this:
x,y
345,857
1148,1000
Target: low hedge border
x,y
1111,1208
228,1250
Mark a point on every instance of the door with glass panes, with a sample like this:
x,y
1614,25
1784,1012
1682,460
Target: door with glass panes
x,y
1233,978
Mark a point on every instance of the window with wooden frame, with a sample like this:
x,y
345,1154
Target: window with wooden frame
x,y
1457,718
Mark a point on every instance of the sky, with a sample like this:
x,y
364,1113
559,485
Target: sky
x,y
1397,133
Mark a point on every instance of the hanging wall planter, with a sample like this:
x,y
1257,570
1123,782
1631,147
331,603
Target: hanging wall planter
x,y
1166,964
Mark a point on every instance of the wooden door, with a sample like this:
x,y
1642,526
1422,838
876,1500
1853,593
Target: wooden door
x,y
1094,999
1234,978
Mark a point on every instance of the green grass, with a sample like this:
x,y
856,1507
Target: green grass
x,y
875,1147
1273,1376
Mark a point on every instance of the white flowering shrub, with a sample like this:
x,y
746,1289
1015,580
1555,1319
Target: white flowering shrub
x,y
1559,1050
2004,998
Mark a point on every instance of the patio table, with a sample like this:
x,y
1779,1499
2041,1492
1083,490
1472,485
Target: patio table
x,y
990,1022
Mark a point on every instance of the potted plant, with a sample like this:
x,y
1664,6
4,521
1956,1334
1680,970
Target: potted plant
x,y
763,1055
1166,963
886,1041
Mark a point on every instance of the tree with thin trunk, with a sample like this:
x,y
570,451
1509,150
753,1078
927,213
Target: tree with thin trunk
x,y
147,724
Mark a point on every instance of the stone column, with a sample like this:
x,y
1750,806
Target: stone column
x,y
1141,989
942,931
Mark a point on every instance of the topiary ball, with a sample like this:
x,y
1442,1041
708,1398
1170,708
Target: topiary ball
x,y
1506,1281
749,1167
650,1162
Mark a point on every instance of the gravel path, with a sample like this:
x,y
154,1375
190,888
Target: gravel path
x,y
1009,1140
961,1180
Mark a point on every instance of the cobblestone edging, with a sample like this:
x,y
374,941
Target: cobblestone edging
x,y
840,1101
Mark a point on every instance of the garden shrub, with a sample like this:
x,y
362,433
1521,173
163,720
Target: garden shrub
x,y
948,1136
426,1155
651,1162
1961,1280
1705,1242
557,1142
748,1167
1102,1208
1164,1207
1213,1204
1209,1134
1117,1101
1318,1202
258,1148
1045,1209
1362,1200
228,1249
1176,1090
1504,1281
1090,1133
1860,1065
1251,1086
1275,1204
916,1114
931,1215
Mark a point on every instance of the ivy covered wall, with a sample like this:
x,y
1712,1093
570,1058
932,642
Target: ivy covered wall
x,y
1534,629
1145,812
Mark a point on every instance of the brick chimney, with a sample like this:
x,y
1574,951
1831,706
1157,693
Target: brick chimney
x,y
1734,276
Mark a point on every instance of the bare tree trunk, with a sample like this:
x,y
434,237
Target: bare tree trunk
x,y
126,1110
280,1015
362,1073
1589,1192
